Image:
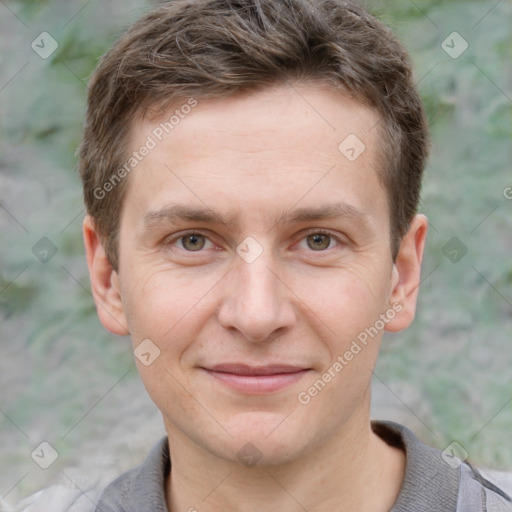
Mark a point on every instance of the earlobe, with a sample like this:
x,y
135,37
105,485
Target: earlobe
x,y
406,276
104,282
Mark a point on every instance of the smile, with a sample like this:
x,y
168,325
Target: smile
x,y
256,379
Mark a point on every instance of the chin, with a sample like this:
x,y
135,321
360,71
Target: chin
x,y
266,440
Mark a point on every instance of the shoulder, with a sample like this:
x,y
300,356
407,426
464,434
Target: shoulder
x,y
134,490
479,493
436,480
141,488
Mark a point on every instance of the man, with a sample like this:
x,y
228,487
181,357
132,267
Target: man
x,y
252,172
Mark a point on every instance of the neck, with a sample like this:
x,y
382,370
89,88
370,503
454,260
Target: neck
x,y
353,470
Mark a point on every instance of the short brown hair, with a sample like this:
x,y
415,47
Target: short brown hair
x,y
216,48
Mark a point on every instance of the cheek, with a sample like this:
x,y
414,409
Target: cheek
x,y
346,301
160,302
346,311
170,311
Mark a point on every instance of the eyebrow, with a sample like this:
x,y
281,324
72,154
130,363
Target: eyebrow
x,y
328,211
174,213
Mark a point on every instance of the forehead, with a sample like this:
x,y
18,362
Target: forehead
x,y
286,144
279,113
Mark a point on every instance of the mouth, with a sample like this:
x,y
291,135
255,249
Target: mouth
x,y
256,379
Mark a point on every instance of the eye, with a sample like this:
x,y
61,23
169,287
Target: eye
x,y
190,242
320,240
193,242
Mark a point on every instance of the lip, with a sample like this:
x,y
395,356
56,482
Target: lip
x,y
256,379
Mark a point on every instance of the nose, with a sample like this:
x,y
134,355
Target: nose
x,y
257,303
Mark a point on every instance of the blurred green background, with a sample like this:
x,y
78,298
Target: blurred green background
x,y
65,380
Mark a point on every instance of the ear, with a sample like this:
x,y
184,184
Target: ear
x,y
104,282
407,274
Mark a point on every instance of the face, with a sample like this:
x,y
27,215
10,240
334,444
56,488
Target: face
x,y
255,256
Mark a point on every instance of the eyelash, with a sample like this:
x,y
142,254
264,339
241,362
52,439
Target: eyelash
x,y
318,231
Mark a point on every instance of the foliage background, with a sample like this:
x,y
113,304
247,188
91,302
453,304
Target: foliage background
x,y
65,380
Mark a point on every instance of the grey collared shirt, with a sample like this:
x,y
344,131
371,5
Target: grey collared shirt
x,y
431,483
